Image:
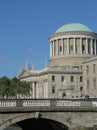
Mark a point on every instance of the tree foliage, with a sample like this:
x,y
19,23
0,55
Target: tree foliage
x,y
13,88
4,86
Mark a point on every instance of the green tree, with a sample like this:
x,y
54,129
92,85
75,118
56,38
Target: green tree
x,y
4,87
19,88
13,88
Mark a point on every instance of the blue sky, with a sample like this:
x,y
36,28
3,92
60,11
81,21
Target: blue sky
x,y
28,24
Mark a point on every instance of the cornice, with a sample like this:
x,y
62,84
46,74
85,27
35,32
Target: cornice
x,y
77,33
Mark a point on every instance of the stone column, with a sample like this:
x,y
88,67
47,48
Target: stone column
x,y
56,47
86,46
80,45
68,51
95,47
33,90
74,46
91,47
62,46
37,94
44,90
51,49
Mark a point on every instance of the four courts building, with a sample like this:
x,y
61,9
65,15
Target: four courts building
x,y
72,72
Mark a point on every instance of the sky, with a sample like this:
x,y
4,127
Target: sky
x,y
26,25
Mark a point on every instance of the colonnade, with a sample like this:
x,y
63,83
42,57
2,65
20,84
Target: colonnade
x,y
36,87
57,47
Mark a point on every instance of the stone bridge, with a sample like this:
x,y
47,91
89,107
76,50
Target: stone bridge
x,y
62,113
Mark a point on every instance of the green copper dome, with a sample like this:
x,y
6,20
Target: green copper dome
x,y
73,27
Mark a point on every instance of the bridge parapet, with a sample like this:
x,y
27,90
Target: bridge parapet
x,y
13,105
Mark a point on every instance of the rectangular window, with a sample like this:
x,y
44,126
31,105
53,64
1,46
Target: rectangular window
x,y
72,78
94,68
53,89
87,69
94,83
71,47
81,78
62,78
81,88
53,78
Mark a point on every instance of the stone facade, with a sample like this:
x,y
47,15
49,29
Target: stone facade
x,y
73,120
66,77
90,77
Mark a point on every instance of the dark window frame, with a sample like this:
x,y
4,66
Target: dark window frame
x,y
53,78
72,78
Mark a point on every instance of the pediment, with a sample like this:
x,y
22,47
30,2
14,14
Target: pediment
x,y
24,74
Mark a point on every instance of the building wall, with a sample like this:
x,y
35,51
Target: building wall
x,y
57,83
90,77
66,85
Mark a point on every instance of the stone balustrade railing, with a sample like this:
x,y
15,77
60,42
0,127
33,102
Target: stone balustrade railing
x,y
46,104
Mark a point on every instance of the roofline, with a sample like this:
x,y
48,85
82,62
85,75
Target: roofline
x,y
90,60
93,34
52,71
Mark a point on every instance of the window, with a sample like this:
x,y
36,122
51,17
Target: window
x,y
62,78
81,88
64,94
71,47
53,78
94,68
87,69
53,89
94,83
72,78
60,48
81,78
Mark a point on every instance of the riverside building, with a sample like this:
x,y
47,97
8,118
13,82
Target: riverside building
x,y
73,65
